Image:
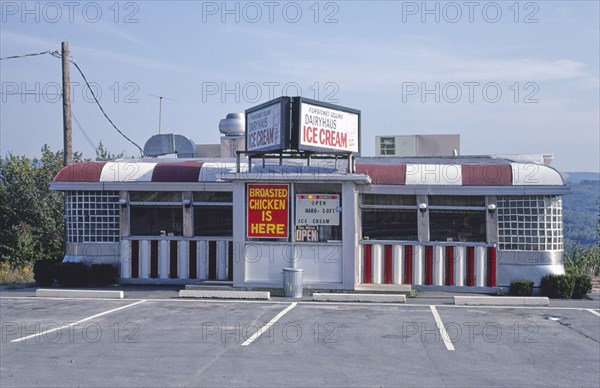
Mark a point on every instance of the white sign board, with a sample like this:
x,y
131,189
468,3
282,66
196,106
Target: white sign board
x,y
264,128
330,129
317,209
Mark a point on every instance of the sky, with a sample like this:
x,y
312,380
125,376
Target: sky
x,y
509,77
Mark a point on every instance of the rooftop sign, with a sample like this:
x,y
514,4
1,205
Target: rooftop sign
x,y
267,126
326,127
297,123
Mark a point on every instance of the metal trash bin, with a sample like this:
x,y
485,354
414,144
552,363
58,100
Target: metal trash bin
x,y
293,282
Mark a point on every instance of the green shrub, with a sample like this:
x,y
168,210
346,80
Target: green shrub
x,y
583,285
585,261
103,274
521,287
44,272
558,286
73,275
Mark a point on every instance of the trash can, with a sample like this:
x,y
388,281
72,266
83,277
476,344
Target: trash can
x,y
293,279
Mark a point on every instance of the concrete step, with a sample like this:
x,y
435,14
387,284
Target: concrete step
x,y
60,293
374,298
224,294
502,300
224,287
386,288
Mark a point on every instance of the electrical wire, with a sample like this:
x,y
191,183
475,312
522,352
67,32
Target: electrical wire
x,y
84,133
26,55
31,94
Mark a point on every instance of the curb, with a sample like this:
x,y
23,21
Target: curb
x,y
501,300
50,293
374,298
220,294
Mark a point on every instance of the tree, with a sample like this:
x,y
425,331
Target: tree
x,y
31,216
102,153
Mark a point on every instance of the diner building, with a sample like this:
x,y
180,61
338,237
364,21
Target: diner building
x,y
351,223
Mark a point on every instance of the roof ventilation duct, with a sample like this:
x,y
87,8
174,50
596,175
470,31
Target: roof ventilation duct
x,y
234,124
170,143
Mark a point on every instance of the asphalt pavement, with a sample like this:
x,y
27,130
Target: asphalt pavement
x,y
152,338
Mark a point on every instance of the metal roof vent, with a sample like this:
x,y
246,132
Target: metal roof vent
x,y
233,125
170,143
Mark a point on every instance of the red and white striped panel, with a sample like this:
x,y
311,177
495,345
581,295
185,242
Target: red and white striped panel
x,y
433,174
177,259
439,265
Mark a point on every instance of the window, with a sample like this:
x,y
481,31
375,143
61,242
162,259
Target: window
x,y
387,145
213,196
156,220
457,225
457,218
382,200
92,216
156,213
389,224
213,213
389,217
530,223
155,196
456,200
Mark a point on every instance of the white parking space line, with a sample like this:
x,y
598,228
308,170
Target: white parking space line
x,y
441,328
78,322
596,313
269,324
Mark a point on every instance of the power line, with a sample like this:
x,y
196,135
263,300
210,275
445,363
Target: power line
x,y
27,55
31,94
84,133
98,103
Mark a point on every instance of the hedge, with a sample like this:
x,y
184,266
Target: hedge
x,y
73,275
521,287
582,286
558,286
103,274
44,272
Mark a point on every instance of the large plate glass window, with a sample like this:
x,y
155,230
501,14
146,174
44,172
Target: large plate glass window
x,y
156,213
213,213
389,217
457,218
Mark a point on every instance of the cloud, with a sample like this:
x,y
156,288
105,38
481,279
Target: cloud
x,y
389,69
27,41
111,30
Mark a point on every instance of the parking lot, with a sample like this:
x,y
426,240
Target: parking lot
x,y
175,342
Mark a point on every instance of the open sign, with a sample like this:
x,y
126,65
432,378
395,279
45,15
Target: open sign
x,y
307,233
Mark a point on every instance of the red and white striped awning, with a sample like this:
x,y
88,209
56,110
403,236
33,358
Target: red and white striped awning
x,y
144,171
410,174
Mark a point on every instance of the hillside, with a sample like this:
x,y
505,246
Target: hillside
x,y
581,209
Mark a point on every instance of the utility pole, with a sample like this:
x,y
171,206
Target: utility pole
x,y
66,98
